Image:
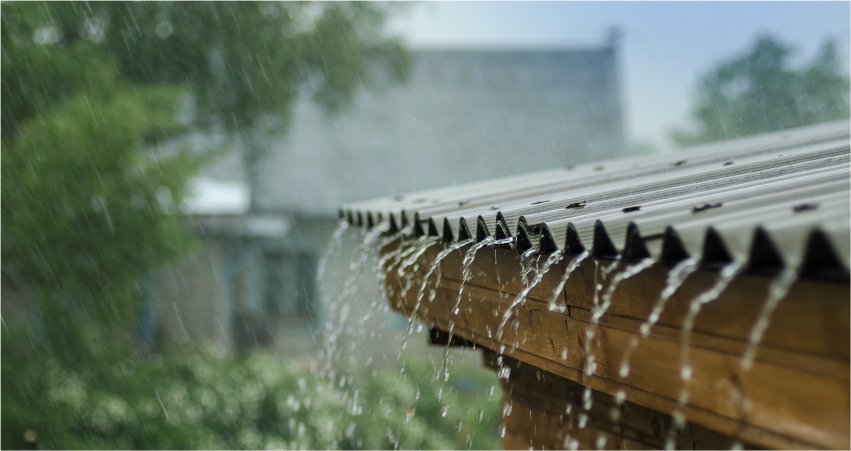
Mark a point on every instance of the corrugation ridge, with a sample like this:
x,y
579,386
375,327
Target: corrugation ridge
x,y
516,196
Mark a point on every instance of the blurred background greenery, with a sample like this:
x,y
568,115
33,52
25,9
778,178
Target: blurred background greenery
x,y
91,91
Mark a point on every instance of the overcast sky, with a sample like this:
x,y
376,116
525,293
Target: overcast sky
x,y
665,45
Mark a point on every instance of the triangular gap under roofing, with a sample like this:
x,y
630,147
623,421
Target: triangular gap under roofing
x,y
764,257
404,219
360,218
350,217
481,229
715,253
432,228
673,250
502,230
572,243
447,231
546,244
369,222
634,248
464,232
341,214
603,246
524,241
820,259
394,226
418,225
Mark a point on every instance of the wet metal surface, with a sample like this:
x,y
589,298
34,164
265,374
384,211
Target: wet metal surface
x,y
777,200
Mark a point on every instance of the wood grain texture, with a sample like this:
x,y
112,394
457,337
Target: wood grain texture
x,y
797,391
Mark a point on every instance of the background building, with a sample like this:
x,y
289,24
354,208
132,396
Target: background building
x,y
461,116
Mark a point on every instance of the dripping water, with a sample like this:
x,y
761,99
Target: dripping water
x,y
467,269
599,310
340,307
727,274
776,292
435,265
676,277
337,244
574,263
553,259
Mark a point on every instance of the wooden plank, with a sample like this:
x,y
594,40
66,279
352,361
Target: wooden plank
x,y
538,417
798,390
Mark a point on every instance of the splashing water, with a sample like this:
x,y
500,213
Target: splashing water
x,y
524,269
467,269
574,263
554,258
676,277
778,290
598,311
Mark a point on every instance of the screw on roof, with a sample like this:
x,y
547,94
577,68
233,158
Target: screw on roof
x,y
577,205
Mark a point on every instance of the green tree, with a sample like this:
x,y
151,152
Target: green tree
x,y
93,97
760,91
91,91
244,63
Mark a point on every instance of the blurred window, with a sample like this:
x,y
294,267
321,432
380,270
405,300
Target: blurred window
x,y
290,288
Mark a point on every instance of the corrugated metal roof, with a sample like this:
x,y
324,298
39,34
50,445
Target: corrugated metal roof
x,y
774,200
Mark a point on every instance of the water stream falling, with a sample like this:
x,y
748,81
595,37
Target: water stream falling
x,y
599,310
778,290
553,306
727,274
676,277
336,244
553,259
467,269
338,309
435,265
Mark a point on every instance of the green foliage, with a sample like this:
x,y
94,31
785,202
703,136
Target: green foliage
x,y
416,409
92,93
760,92
244,62
201,400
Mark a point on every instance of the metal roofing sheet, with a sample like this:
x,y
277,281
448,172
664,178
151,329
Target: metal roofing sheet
x,y
773,200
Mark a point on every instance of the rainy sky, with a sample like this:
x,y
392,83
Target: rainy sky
x,y
666,45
